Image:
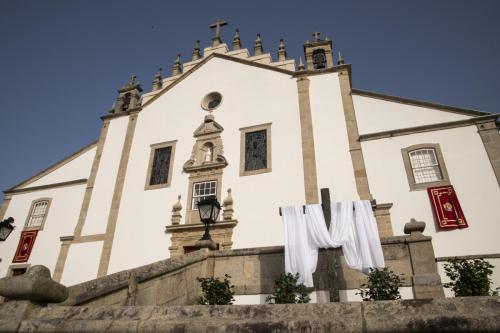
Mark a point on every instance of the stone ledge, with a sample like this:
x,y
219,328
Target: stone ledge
x,y
466,314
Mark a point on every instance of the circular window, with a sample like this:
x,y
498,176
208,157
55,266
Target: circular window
x,y
211,101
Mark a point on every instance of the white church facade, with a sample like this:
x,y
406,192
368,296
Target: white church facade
x,y
258,133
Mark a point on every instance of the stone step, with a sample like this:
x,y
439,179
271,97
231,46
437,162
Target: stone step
x,y
462,314
202,312
190,326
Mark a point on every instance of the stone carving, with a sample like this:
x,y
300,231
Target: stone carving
x,y
414,227
208,150
35,285
227,214
176,211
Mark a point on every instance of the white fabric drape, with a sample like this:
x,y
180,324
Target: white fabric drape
x,y
356,231
370,249
298,250
343,232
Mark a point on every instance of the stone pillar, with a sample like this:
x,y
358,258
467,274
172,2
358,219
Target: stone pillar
x,y
490,136
383,217
426,280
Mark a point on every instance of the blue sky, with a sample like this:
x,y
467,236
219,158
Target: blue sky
x,y
61,62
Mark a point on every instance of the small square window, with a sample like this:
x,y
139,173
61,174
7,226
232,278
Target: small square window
x,y
203,190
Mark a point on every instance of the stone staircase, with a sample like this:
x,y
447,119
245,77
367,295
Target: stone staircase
x,y
474,314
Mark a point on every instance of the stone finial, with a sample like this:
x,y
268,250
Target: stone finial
x,y
196,51
177,68
35,285
227,214
176,211
157,81
258,49
301,65
340,61
131,81
414,228
281,50
236,40
316,36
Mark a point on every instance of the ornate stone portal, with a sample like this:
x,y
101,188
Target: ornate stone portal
x,y
205,168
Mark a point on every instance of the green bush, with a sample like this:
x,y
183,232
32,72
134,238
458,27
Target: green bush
x,y
286,290
470,277
215,291
383,284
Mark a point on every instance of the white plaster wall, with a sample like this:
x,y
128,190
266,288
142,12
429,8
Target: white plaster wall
x,y
349,295
251,96
377,115
470,173
61,220
82,263
79,168
333,160
102,193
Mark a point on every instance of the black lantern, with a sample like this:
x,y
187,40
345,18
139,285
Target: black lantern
x,y
208,209
6,228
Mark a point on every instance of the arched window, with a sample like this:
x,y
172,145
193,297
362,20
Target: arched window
x,y
424,165
38,214
126,101
319,59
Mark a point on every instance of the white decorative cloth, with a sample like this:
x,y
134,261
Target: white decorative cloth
x,y
370,248
355,230
342,232
298,252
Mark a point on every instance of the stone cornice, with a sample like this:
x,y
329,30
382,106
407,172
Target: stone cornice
x,y
474,256
426,128
51,168
334,69
402,100
200,226
48,186
121,114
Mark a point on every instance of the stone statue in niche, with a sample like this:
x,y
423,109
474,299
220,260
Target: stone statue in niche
x,y
208,155
207,151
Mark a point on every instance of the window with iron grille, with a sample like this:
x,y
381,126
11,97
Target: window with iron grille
x,y
425,166
161,165
38,214
203,190
256,150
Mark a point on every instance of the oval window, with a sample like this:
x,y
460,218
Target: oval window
x,y
211,101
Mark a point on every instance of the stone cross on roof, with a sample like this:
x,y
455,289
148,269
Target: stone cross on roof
x,y
316,36
218,23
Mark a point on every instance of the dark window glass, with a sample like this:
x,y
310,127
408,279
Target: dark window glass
x,y
161,164
256,150
319,59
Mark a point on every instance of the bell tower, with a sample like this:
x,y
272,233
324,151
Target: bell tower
x,y
128,97
318,52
